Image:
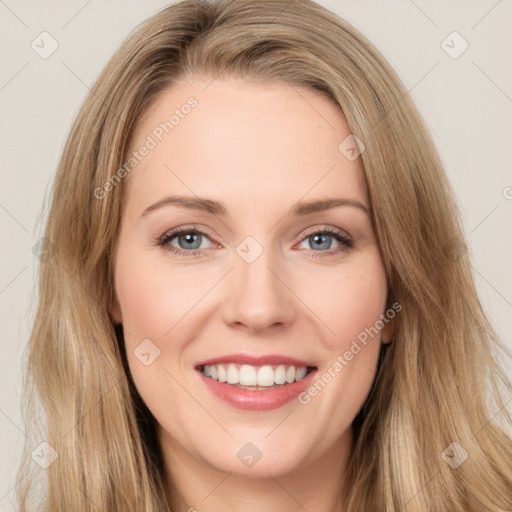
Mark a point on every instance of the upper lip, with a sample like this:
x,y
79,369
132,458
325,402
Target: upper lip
x,y
261,360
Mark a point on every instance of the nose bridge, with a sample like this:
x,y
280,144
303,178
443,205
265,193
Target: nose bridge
x,y
258,297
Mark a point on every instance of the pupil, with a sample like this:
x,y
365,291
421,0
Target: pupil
x,y
318,238
189,238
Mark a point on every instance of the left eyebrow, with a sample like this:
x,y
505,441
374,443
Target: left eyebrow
x,y
306,208
217,208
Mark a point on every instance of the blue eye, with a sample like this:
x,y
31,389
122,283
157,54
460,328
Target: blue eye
x,y
190,240
187,239
323,240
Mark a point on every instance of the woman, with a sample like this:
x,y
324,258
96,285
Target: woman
x,y
249,369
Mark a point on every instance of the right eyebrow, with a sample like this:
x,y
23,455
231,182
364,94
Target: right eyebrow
x,y
194,203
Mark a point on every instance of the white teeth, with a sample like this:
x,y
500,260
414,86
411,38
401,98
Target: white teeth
x,y
266,376
280,375
223,376
248,375
300,373
233,374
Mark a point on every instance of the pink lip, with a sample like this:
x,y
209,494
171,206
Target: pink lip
x,y
255,400
271,359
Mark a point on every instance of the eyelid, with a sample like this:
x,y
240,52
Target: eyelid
x,y
326,228
185,229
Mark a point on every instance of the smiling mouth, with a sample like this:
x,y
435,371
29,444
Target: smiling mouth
x,y
256,378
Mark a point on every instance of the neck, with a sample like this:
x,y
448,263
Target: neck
x,y
194,485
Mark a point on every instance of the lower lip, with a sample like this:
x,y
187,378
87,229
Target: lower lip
x,y
254,400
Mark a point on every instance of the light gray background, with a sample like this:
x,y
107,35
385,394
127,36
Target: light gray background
x,y
466,103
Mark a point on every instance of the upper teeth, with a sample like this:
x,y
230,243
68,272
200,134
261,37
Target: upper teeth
x,y
248,375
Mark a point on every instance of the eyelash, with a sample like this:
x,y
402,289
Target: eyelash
x,y
163,241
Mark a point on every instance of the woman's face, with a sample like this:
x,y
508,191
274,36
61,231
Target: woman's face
x,y
263,281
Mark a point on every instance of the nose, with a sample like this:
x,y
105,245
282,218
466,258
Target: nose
x,y
258,296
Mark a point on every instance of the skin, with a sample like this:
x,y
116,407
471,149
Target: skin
x,y
258,148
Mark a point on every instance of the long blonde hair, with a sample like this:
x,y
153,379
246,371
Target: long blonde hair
x,y
438,383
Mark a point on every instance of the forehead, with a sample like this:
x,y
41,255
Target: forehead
x,y
243,142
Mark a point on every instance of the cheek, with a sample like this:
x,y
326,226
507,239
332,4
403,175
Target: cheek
x,y
154,303
153,298
351,306
350,303
159,308
356,313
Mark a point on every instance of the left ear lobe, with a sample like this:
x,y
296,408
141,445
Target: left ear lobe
x,y
115,311
387,332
